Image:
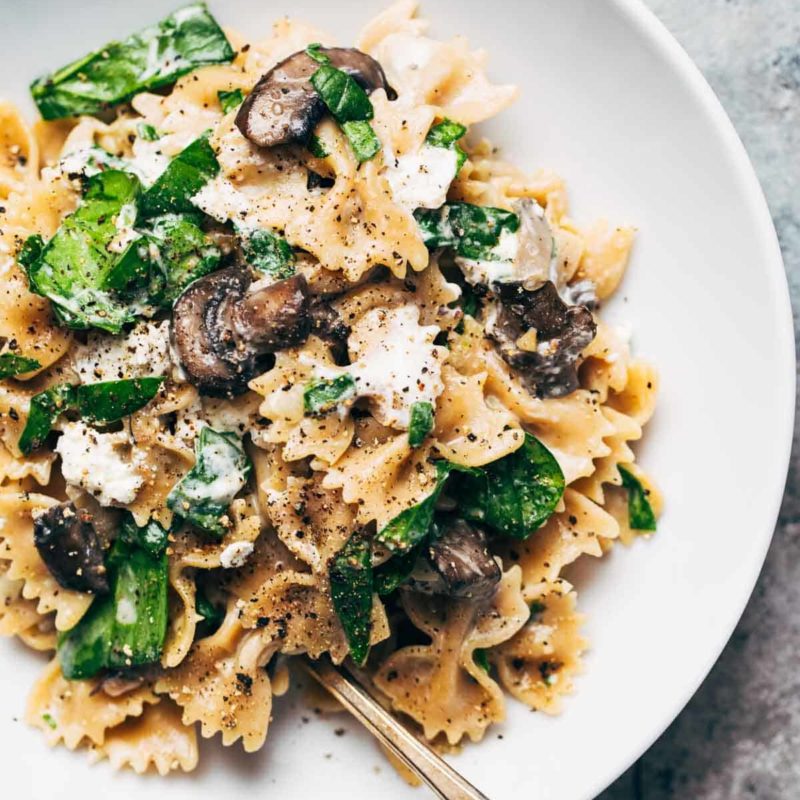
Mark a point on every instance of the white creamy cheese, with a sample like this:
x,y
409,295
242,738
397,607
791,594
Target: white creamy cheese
x,y
395,363
144,351
103,464
499,268
221,460
421,179
148,160
126,611
235,555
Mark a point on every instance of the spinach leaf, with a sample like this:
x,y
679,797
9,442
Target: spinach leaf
x,y
316,147
203,495
126,628
147,132
362,138
230,100
151,538
171,252
45,409
481,657
640,513
516,494
314,51
31,251
350,575
321,396
110,401
12,364
411,526
72,269
267,252
154,57
473,231
212,615
183,178
396,571
447,134
421,423
349,104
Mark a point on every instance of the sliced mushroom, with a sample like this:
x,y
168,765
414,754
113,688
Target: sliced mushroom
x,y
562,331
284,106
222,327
460,563
70,548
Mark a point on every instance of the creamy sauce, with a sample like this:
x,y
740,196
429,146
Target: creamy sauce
x,y
499,268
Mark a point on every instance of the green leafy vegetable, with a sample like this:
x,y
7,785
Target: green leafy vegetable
x,y
411,526
45,408
350,575
481,658
322,396
128,627
515,494
93,160
151,538
12,364
473,231
147,132
102,403
421,423
267,252
171,252
316,147
183,178
50,721
154,57
203,495
362,138
110,401
640,513
31,250
349,104
230,100
212,615
447,134
72,269
394,572
314,51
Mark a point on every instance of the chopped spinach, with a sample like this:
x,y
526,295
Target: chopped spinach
x,y
447,134
421,423
171,252
183,178
72,269
641,516
362,138
212,615
321,396
11,364
203,495
128,627
314,51
147,132
45,409
230,100
350,575
472,231
154,57
152,537
481,657
316,147
396,571
267,252
516,494
31,251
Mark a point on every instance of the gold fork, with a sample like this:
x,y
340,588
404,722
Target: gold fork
x,y
443,780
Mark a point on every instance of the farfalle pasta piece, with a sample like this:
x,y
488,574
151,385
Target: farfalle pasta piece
x,y
37,466
439,685
17,510
538,665
17,614
157,738
80,712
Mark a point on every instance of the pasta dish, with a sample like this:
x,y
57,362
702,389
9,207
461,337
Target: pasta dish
x,y
292,362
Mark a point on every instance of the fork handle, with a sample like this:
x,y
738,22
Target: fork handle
x,y
442,779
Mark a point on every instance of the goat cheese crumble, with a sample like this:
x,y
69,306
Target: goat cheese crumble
x,y
104,464
421,179
235,555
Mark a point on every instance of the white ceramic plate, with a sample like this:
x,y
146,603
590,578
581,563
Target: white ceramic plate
x,y
611,102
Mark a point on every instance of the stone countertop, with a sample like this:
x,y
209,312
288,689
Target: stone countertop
x,y
739,737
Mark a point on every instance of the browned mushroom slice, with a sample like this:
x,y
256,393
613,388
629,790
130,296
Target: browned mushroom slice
x,y
284,107
222,327
460,563
562,332
70,548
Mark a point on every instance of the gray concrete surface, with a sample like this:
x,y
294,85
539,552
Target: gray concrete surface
x,y
739,738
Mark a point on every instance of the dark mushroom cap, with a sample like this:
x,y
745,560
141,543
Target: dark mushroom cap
x,y
562,331
221,329
460,561
284,106
70,548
